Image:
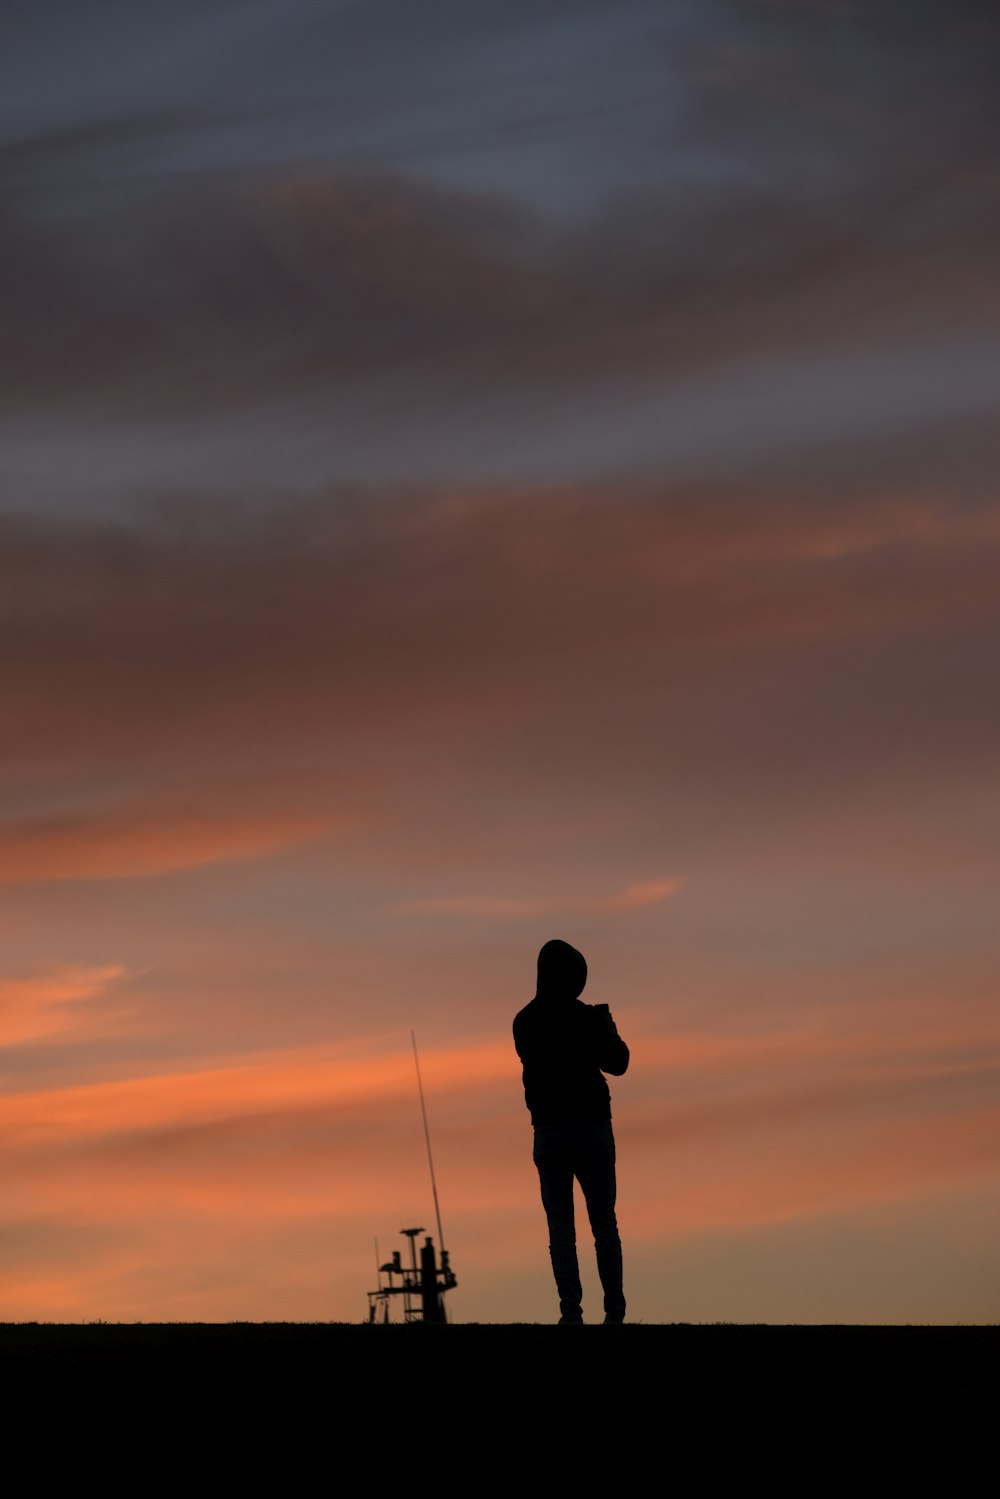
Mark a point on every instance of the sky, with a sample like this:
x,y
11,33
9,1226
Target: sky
x,y
472,474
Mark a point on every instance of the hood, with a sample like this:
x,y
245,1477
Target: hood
x,y
562,971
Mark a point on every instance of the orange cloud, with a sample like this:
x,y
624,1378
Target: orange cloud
x,y
293,1082
899,1047
148,840
479,905
645,893
812,1173
196,1166
633,897
46,1005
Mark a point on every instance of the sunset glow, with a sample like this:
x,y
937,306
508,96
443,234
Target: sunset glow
x,y
547,489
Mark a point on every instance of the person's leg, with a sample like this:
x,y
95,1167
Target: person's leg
x,y
595,1170
555,1175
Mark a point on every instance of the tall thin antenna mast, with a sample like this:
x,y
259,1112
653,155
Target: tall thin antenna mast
x,y
427,1138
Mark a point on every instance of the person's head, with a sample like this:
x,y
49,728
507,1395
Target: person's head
x,y
562,971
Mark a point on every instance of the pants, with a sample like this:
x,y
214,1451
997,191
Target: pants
x,y
584,1150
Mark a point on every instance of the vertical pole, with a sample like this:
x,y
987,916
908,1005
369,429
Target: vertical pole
x,y
427,1139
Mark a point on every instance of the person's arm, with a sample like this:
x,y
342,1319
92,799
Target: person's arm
x,y
612,1053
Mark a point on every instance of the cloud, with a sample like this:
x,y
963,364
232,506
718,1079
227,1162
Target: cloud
x,y
211,284
806,275
809,1177
551,697
53,1004
294,1082
784,1127
502,669
145,840
229,290
502,907
695,1085
643,893
633,897
192,1167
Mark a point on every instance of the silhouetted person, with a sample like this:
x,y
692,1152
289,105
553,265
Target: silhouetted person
x,y
565,1047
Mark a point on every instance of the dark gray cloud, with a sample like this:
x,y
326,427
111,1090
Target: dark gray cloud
x,y
826,174
814,186
518,93
556,100
247,289
844,83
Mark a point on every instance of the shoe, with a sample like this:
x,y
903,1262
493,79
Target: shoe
x,y
571,1321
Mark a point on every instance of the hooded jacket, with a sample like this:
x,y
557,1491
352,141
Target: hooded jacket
x,y
565,1045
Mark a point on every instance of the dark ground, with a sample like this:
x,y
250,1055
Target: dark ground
x,y
285,1406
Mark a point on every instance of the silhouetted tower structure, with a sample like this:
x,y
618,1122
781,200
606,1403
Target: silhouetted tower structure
x,y
422,1285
